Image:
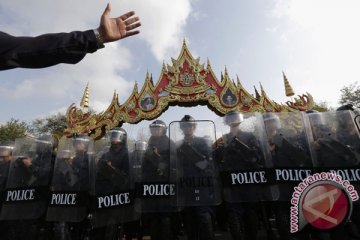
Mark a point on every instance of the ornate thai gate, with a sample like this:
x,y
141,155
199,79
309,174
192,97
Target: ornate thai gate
x,y
186,83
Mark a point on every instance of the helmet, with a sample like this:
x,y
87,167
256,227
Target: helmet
x,y
348,106
316,118
157,124
140,145
6,150
65,154
187,121
44,142
118,135
81,139
233,118
272,119
311,111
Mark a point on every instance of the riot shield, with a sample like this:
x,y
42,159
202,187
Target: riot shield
x,y
335,144
240,153
112,186
70,183
289,151
27,186
5,159
136,160
196,176
156,191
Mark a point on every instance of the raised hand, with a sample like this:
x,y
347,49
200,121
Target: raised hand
x,y
113,29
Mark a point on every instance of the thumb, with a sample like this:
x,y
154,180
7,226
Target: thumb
x,y
107,10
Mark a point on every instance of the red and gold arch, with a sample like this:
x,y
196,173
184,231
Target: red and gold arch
x,y
186,82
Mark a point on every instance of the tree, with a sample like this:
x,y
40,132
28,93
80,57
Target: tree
x,y
13,129
322,106
350,94
55,125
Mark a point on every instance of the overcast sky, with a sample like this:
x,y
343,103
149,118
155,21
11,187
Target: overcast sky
x,y
315,42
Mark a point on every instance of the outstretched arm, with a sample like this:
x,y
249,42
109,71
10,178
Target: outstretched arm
x,y
51,49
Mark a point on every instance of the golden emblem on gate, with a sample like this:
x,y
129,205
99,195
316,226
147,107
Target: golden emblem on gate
x,y
187,79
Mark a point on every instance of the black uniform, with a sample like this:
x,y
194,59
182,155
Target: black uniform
x,y
156,168
112,176
288,153
198,219
4,171
73,177
243,217
333,153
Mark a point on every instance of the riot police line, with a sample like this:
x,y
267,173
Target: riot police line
x,y
187,167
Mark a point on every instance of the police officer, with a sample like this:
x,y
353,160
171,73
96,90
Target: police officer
x,y
156,168
30,171
41,167
112,176
72,174
134,229
287,151
198,220
337,147
5,159
81,166
241,207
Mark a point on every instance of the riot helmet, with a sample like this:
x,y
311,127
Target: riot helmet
x,y
272,123
316,118
271,120
311,111
44,143
6,152
117,135
81,143
319,125
158,128
140,145
65,154
233,118
187,122
348,106
346,120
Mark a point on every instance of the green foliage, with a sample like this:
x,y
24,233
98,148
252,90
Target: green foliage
x,y
13,129
55,125
322,106
350,94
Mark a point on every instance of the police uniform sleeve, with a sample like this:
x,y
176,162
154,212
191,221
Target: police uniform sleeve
x,y
45,50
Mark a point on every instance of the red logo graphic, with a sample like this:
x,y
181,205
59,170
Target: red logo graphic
x,y
325,206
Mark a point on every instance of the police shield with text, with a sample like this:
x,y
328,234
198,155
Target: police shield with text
x,y
158,192
68,201
335,144
112,188
5,159
137,158
290,155
240,153
26,194
133,229
28,180
241,159
197,183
